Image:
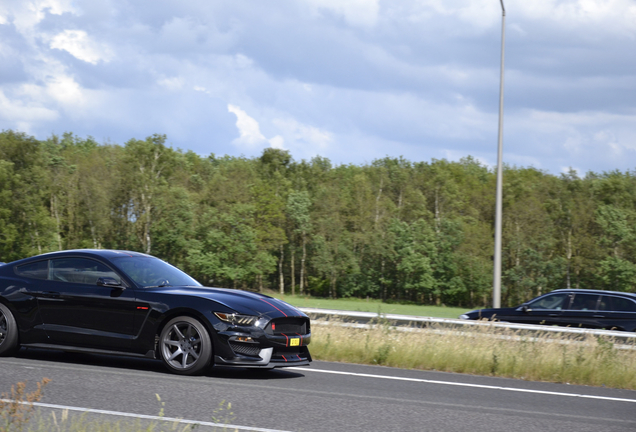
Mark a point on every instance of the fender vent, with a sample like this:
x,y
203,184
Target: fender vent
x,y
245,349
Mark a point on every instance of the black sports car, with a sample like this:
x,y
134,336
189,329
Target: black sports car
x,y
610,310
121,302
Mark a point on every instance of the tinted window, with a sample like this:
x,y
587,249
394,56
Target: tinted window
x,y
79,270
552,301
37,270
617,304
584,302
149,271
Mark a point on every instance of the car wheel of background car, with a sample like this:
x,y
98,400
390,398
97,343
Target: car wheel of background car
x,y
185,346
8,332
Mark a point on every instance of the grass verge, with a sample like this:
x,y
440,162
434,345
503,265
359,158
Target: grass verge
x,y
362,305
483,350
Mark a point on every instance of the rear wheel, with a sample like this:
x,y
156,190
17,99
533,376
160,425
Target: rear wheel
x,y
8,332
185,346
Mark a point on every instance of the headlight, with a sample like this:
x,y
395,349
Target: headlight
x,y
236,319
464,316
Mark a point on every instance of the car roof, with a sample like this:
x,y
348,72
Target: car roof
x,y
593,291
103,253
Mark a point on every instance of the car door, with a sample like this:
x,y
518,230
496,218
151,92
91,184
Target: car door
x,y
582,311
616,312
546,309
76,311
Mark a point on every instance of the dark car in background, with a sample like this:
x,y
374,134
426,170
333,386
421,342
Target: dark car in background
x,y
595,309
128,303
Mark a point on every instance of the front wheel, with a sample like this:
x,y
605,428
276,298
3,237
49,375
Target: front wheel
x,y
8,332
185,346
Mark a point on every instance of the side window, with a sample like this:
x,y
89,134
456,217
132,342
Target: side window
x,y
617,304
79,270
36,270
553,301
584,302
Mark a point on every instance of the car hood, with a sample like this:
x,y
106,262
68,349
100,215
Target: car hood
x,y
242,302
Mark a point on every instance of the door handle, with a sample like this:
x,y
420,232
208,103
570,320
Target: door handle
x,y
49,294
599,316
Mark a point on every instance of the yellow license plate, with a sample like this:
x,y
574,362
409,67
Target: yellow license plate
x,y
294,342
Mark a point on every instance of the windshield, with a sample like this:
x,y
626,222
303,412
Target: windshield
x,y
152,272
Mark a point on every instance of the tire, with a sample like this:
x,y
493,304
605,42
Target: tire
x,y
8,332
185,346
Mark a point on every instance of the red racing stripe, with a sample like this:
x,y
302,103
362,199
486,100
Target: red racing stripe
x,y
274,307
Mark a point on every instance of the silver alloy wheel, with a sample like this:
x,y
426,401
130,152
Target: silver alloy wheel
x,y
185,345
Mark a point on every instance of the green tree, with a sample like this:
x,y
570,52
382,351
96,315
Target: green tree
x,y
149,164
412,246
298,211
26,216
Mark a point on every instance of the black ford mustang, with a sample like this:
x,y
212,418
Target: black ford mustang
x,y
121,302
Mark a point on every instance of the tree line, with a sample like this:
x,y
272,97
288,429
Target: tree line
x,y
393,229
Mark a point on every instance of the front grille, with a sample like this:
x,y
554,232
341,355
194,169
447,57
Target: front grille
x,y
288,326
245,349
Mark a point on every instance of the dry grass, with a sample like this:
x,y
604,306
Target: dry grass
x,y
483,350
16,407
18,413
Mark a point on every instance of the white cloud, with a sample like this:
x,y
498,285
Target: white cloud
x,y
25,111
249,130
301,139
65,90
26,15
355,12
172,84
578,11
473,14
81,46
278,142
241,61
580,138
304,138
589,20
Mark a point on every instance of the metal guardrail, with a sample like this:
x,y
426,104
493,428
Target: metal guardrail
x,y
423,322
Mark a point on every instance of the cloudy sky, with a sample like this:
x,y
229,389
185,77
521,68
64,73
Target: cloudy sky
x,y
350,80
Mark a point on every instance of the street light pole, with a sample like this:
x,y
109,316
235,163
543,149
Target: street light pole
x,y
496,292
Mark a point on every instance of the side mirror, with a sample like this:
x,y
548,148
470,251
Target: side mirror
x,y
524,308
109,282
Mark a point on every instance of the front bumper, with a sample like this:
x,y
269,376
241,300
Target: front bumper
x,y
268,358
261,348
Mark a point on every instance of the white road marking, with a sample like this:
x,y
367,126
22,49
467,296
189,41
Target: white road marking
x,y
450,383
148,417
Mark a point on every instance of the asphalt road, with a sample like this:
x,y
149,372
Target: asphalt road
x,y
323,397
